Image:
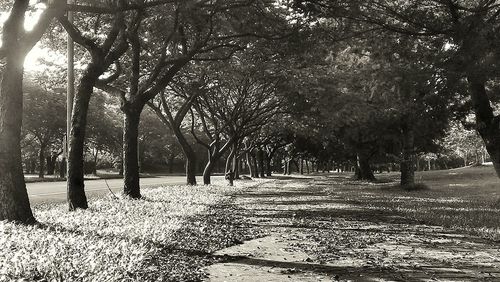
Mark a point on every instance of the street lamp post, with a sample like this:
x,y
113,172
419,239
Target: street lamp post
x,y
70,86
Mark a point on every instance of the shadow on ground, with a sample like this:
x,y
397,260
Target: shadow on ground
x,y
347,239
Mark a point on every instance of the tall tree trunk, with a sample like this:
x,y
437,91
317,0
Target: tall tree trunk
x,y
236,168
269,166
213,159
63,168
364,170
191,168
120,168
488,125
14,202
288,167
207,172
190,157
255,165
131,186
51,163
260,156
41,162
250,165
76,186
407,166
307,167
301,166
230,168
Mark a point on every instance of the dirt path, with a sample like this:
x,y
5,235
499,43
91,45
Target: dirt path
x,y
315,235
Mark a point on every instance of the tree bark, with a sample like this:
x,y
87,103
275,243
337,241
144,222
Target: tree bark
x,y
131,186
260,156
236,162
51,163
230,168
488,125
254,163
14,202
269,166
62,168
407,166
363,168
76,186
251,170
190,157
207,172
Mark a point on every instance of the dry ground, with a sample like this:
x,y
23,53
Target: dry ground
x,y
329,228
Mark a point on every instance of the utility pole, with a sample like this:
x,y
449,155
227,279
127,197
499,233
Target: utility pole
x,y
70,87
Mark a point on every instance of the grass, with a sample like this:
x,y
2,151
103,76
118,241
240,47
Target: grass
x,y
465,198
115,239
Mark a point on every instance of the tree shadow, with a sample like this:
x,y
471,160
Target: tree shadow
x,y
433,272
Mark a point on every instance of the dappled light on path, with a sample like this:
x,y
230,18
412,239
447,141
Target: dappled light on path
x,y
323,229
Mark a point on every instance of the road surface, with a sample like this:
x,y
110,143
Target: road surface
x,y
54,192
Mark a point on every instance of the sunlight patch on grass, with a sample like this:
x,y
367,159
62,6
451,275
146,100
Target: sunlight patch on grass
x,y
108,242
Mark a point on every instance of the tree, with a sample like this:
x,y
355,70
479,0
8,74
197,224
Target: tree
x,y
103,54
466,31
198,31
183,93
104,128
243,104
157,147
464,143
42,121
409,87
213,122
16,43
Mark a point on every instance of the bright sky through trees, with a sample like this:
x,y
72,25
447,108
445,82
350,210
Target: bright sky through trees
x,y
33,61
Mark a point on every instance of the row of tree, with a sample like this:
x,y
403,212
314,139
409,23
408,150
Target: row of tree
x,y
145,53
352,85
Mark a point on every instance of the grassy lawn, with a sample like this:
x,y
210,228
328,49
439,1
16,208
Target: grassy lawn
x,y
464,198
171,233
168,235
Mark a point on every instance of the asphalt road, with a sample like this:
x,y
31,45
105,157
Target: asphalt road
x,y
54,192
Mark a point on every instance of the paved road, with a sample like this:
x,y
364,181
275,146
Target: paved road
x,y
53,192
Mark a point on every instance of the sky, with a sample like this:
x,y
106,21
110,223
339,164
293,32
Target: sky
x,y
33,61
